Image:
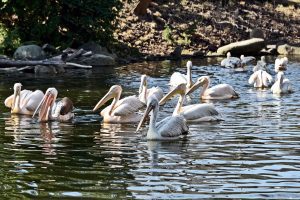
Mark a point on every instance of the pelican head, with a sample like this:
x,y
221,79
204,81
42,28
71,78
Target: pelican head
x,y
263,58
152,104
228,54
180,89
242,57
114,92
17,92
201,81
46,104
189,64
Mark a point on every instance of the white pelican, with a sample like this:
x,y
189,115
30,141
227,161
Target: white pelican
x,y
169,128
192,113
260,79
221,91
261,64
120,111
281,64
282,85
23,102
247,60
231,62
178,78
144,92
49,110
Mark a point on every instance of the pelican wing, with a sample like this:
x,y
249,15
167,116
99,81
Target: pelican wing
x,y
198,111
266,78
253,77
221,90
32,100
156,91
127,105
286,86
172,127
177,79
248,60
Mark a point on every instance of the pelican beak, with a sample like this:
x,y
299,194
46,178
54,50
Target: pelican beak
x,y
194,87
45,107
147,111
109,95
180,89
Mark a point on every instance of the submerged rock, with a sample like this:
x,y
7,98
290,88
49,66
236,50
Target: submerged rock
x,y
251,46
29,52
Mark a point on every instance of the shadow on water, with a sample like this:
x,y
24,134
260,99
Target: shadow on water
x,y
253,153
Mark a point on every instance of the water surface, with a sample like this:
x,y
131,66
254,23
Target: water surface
x,y
254,153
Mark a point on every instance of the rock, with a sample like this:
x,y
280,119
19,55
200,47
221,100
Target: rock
x,y
286,49
251,46
97,49
42,69
96,60
29,52
257,33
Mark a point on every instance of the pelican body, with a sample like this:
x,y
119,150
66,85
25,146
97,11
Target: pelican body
x,y
120,110
192,113
231,62
282,85
50,110
145,93
220,91
260,79
169,128
281,64
178,78
23,101
247,60
261,65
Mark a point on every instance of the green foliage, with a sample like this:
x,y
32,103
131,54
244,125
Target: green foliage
x,y
166,34
185,40
60,23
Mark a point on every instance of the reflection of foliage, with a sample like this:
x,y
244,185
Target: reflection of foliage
x,y
166,34
65,22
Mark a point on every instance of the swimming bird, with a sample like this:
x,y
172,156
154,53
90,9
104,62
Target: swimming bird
x,y
281,64
220,91
247,60
51,110
145,92
121,110
169,128
23,101
260,79
261,65
231,62
178,78
282,85
192,113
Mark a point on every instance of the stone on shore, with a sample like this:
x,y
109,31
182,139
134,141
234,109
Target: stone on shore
x,y
251,46
286,49
29,52
96,60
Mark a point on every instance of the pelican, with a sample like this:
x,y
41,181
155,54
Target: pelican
x,y
144,92
23,102
247,60
49,110
221,91
282,85
120,111
260,79
231,62
168,129
178,78
261,64
192,113
281,64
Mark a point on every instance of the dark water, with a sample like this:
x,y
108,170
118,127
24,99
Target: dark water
x,y
254,153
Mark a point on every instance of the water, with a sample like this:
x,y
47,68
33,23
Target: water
x,y
254,153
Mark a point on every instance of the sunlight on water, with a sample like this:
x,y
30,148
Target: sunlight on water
x,y
253,153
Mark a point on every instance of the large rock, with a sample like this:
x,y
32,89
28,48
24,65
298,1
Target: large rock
x,y
29,52
286,49
42,69
257,33
251,46
97,60
97,49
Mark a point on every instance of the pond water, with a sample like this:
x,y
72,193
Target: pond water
x,y
254,153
